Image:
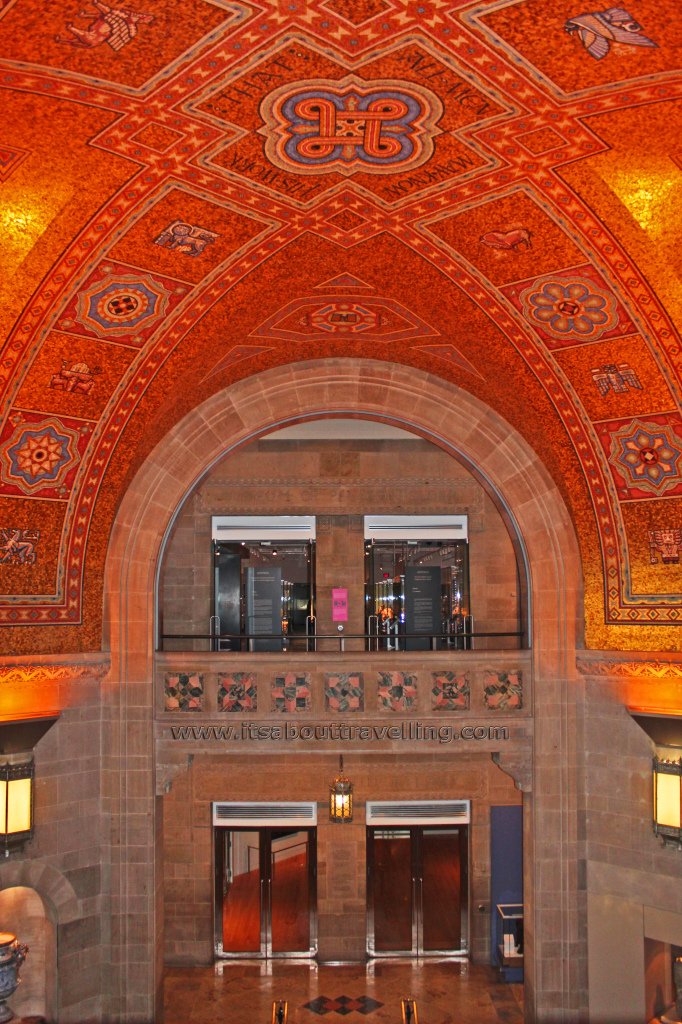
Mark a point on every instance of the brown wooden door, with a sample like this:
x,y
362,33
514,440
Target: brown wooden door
x,y
417,890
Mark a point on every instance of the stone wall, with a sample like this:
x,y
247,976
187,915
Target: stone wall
x,y
341,850
339,481
67,862
631,885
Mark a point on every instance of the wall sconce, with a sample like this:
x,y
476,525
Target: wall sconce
x,y
16,804
18,737
668,801
341,798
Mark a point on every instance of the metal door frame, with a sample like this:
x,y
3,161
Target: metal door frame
x,y
265,880
417,877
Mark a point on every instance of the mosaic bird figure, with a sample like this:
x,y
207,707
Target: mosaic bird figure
x,y
620,377
598,29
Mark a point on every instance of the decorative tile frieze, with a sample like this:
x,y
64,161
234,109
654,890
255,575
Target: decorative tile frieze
x,y
344,691
397,691
238,692
184,691
450,692
503,691
291,692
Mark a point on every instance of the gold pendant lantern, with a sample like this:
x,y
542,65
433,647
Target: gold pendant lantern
x,y
341,798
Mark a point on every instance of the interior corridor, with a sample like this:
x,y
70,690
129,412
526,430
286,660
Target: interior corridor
x,y
242,993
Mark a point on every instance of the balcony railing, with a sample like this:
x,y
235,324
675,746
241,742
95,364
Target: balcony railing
x,y
246,642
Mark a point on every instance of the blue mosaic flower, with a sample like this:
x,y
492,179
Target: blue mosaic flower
x,y
122,303
647,456
39,455
572,307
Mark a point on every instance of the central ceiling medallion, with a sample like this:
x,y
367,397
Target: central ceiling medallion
x,y
325,126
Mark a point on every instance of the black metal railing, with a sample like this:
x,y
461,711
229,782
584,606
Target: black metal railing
x,y
452,640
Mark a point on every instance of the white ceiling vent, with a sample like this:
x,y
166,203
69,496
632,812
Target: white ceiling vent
x,y
245,528
260,815
418,812
442,528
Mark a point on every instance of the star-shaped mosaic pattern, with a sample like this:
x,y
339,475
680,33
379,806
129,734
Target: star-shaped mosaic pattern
x,y
342,1005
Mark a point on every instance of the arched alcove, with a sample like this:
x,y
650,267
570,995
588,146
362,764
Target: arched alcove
x,y
340,470
24,914
545,770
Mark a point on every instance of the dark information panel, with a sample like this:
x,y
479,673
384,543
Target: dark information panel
x,y
422,605
264,606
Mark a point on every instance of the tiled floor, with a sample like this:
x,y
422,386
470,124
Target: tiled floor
x,y
241,993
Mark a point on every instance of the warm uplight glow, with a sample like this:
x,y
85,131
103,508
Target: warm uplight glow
x,y
648,193
668,808
19,805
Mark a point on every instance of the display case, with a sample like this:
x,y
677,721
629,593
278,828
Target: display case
x,y
510,950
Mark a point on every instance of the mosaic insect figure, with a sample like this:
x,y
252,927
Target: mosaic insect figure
x,y
17,547
667,543
186,238
78,378
616,376
599,29
115,26
513,240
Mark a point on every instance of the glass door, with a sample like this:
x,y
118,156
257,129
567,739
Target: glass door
x,y
417,891
241,903
265,893
290,891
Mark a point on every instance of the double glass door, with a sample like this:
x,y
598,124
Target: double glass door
x,y
265,892
417,890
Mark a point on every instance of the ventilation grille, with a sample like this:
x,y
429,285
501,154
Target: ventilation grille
x,y
436,812
261,814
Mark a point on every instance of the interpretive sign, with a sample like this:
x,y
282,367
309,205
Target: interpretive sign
x,y
422,605
264,606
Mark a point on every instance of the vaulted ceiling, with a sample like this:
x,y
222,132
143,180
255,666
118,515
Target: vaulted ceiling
x,y
193,191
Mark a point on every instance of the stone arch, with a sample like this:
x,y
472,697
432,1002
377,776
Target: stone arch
x,y
61,906
53,887
458,422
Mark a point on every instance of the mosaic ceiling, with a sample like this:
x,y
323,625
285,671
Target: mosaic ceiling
x,y
194,191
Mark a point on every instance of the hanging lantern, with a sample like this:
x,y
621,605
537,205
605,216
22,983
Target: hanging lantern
x,y
668,801
16,803
341,798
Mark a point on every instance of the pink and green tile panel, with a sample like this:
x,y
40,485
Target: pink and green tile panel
x,y
397,691
344,691
503,691
183,691
291,693
450,691
237,693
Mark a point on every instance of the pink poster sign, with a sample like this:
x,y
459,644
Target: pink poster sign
x,y
339,604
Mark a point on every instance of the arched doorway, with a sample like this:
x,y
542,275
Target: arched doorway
x,y
457,422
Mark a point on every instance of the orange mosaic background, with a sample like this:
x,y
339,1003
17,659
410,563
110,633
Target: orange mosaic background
x,y
196,191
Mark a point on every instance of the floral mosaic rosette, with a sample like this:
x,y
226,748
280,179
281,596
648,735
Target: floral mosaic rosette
x,y
450,692
184,692
503,691
237,692
397,691
344,691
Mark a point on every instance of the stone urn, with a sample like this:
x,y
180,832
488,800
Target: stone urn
x,y
12,956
